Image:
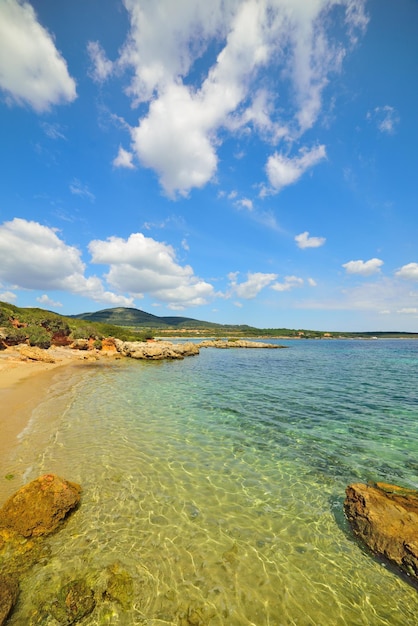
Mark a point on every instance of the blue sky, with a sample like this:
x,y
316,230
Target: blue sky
x,y
236,161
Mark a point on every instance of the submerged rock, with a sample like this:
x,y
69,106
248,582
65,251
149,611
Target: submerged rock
x,y
39,507
9,590
385,517
75,601
120,586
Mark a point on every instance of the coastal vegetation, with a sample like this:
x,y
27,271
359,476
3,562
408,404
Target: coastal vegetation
x,y
42,328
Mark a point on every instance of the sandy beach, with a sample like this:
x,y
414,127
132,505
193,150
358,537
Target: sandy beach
x,y
24,384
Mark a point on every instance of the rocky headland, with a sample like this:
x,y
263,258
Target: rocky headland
x,y
87,349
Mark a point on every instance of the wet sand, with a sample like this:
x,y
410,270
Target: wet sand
x,y
24,384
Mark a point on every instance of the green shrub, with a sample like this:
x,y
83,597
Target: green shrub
x,y
38,336
98,344
4,318
83,332
56,325
14,336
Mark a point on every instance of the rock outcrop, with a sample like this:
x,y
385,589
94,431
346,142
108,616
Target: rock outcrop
x,y
39,507
238,343
156,350
385,517
35,354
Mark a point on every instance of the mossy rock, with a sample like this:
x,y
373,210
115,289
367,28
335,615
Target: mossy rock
x,y
120,586
75,600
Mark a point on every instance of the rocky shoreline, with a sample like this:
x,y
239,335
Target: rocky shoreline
x,y
147,350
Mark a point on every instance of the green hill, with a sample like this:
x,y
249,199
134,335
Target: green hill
x,y
122,316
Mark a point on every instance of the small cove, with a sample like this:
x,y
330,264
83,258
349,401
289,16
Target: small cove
x,y
218,482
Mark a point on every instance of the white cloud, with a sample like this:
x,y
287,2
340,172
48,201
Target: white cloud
x,y
386,118
245,203
78,189
141,265
48,263
283,171
290,282
188,113
382,297
101,68
47,301
249,289
409,271
363,268
304,241
408,311
32,70
312,282
174,140
8,296
124,159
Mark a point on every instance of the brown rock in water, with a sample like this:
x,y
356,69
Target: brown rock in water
x,y
9,590
385,517
39,507
75,600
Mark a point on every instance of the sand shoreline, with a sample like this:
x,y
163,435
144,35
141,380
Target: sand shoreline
x,y
24,385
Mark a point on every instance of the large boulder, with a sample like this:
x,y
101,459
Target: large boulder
x,y
33,353
385,517
39,507
155,351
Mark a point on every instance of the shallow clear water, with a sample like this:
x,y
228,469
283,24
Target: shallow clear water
x,y
217,482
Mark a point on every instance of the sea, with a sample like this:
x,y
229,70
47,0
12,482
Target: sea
x,y
216,484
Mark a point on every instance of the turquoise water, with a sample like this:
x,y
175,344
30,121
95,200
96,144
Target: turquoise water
x,y
217,483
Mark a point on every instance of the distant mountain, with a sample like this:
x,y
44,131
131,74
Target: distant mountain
x,y
121,316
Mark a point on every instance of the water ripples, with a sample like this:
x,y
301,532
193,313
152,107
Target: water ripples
x,y
218,483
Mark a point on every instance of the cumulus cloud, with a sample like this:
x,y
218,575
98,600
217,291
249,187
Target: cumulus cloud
x,y
48,264
386,118
124,159
141,265
45,300
178,135
363,268
32,70
249,289
290,282
409,271
8,296
283,171
304,241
